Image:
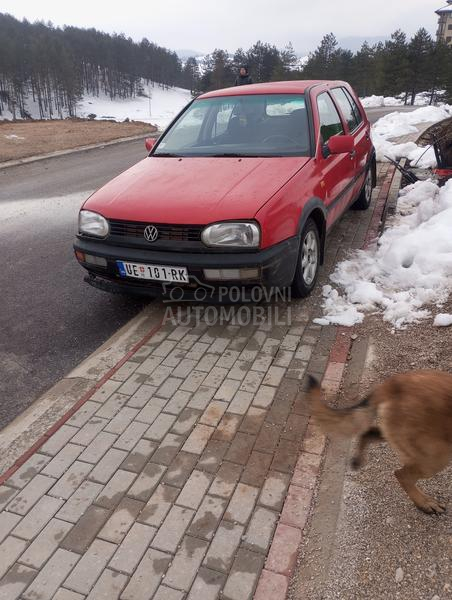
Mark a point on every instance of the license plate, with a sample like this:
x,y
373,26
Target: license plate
x,y
154,272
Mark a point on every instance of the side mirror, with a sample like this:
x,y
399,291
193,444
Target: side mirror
x,y
150,143
341,144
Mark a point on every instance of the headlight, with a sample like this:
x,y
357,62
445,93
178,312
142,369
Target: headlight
x,y
91,223
240,235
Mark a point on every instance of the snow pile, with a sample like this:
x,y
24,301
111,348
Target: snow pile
x,y
443,320
422,99
410,268
397,124
158,107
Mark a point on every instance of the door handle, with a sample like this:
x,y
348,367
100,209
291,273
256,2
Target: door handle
x,y
353,154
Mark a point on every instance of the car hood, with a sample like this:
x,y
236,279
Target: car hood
x,y
193,190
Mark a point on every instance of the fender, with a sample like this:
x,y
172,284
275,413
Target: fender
x,y
314,208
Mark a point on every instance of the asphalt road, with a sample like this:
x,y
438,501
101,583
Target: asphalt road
x,y
49,319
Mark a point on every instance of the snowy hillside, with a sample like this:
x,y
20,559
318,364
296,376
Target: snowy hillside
x,y
158,107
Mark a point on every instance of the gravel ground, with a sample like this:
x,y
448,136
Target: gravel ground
x,y
29,138
375,544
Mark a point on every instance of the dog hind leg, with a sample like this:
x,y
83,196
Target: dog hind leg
x,y
408,476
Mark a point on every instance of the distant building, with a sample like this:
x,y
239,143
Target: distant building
x,y
445,23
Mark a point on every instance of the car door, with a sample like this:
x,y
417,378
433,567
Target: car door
x,y
360,129
336,171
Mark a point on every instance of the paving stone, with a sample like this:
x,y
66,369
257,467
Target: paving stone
x,y
62,461
132,384
173,529
227,390
256,469
149,365
132,548
178,402
105,391
207,585
194,490
228,358
49,579
6,495
146,482
274,490
244,575
206,363
213,455
22,502
85,530
15,581
252,381
268,438
108,465
274,376
137,459
125,370
239,370
271,586
314,440
63,594
112,406
158,505
37,518
240,449
7,523
307,470
89,431
141,397
240,403
264,396
213,413
117,526
59,439
227,478
45,544
10,550
179,470
70,481
160,427
262,363
122,420
304,352
260,530
83,414
227,427
131,436
109,586
296,507
184,368
169,387
215,377
193,381
98,447
201,398
168,449
115,489
185,421
282,557
198,439
207,517
28,470
166,593
147,577
159,375
90,566
283,358
253,420
295,427
196,349
151,410
224,546
241,504
219,345
186,563
285,457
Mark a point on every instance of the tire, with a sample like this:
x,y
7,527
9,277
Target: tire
x,y
365,197
308,264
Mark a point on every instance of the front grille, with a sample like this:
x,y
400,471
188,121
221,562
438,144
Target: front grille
x,y
176,233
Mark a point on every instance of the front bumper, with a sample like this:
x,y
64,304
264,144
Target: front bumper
x,y
276,267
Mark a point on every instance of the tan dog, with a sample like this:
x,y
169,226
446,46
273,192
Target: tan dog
x,y
411,411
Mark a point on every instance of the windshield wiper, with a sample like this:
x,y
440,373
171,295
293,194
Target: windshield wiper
x,y
234,155
167,154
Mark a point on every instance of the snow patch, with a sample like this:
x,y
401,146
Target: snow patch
x,y
443,320
409,268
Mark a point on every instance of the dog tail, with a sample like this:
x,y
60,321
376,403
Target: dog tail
x,y
347,422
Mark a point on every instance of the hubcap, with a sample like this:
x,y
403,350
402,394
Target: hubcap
x,y
309,257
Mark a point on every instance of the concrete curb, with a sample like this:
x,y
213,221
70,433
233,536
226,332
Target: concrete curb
x,y
37,157
281,559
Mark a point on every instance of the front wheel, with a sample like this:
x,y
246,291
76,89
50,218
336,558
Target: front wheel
x,y
308,261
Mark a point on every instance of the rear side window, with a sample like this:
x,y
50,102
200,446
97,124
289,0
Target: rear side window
x,y
330,121
348,107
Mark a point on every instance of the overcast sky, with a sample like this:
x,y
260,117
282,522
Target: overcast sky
x,y
203,25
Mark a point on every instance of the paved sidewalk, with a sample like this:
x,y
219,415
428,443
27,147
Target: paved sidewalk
x,y
188,470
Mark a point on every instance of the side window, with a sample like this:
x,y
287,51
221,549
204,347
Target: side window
x,y
346,108
356,110
330,121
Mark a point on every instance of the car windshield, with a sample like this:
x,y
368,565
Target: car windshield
x,y
242,125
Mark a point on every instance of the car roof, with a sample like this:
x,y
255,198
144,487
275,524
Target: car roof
x,y
273,87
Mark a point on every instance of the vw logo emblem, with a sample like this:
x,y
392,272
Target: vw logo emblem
x,y
151,233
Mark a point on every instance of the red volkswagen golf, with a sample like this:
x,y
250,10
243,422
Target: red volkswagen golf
x,y
240,190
